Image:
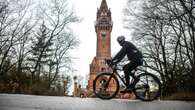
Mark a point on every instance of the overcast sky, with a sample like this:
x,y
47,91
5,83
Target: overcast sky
x,y
85,31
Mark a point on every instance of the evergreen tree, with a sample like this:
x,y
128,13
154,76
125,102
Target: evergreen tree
x,y
41,51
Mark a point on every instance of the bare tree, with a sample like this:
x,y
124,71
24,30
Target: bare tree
x,y
166,29
19,24
15,26
61,58
57,18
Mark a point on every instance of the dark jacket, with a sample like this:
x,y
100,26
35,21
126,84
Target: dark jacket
x,y
128,49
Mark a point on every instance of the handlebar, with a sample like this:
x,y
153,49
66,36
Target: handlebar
x,y
111,64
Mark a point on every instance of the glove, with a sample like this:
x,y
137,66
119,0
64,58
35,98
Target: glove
x,y
109,62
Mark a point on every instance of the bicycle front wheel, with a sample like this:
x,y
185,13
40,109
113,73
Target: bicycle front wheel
x,y
147,87
106,86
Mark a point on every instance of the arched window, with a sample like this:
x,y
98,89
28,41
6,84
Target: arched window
x,y
103,69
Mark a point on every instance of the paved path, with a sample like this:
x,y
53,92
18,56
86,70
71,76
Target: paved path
x,y
31,102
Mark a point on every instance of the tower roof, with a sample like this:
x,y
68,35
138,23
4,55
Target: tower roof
x,y
103,15
103,5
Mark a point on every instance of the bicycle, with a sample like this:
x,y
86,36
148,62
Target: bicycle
x,y
145,86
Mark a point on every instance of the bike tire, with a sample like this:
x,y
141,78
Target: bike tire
x,y
141,90
105,76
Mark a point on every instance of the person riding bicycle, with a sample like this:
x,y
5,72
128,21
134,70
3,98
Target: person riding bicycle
x,y
134,56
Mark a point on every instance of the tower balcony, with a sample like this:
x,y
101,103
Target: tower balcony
x,y
103,22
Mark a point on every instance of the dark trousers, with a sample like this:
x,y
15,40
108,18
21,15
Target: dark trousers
x,y
129,67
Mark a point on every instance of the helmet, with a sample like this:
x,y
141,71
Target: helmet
x,y
120,39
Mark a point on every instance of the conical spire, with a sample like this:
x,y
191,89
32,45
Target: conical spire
x,y
103,5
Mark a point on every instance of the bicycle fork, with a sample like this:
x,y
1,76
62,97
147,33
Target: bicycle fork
x,y
107,82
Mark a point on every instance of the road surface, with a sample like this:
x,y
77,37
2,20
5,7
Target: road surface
x,y
32,102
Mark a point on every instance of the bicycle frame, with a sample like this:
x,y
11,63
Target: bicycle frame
x,y
115,69
118,75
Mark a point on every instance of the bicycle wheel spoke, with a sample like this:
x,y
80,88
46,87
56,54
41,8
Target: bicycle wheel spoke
x,y
106,86
147,87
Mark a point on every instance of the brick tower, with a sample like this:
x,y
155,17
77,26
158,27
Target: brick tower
x,y
103,28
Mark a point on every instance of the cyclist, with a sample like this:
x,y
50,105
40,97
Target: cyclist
x,y
134,56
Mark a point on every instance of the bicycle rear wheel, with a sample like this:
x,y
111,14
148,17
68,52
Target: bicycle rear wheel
x,y
106,86
147,87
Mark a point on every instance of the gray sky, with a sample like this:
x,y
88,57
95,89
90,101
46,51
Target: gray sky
x,y
86,9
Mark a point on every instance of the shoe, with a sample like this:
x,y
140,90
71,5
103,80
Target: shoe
x,y
126,90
